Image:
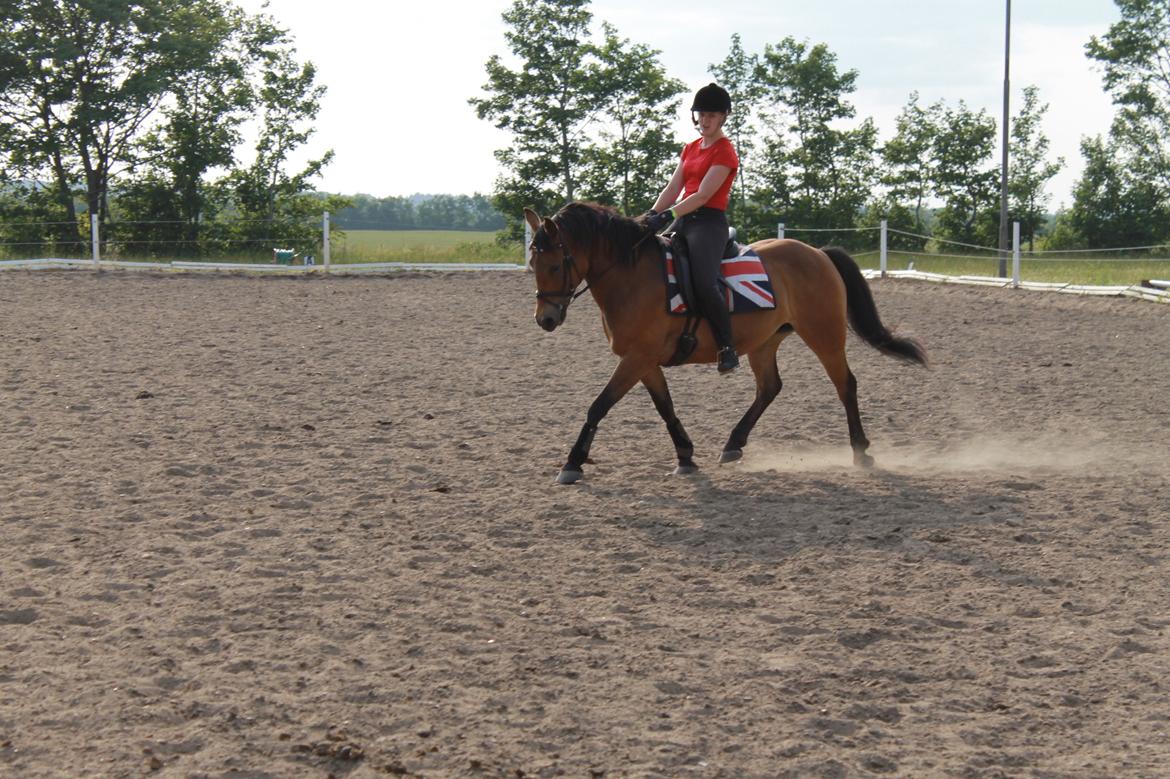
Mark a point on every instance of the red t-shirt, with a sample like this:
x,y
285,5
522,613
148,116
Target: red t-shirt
x,y
696,161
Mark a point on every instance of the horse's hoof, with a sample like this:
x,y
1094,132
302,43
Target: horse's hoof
x,y
569,476
863,460
730,456
686,470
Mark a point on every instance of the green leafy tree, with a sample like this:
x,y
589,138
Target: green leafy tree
x,y
964,176
737,74
545,104
1117,201
909,166
905,231
816,174
1030,169
79,81
1127,176
161,210
274,204
210,102
635,151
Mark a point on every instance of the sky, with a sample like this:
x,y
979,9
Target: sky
x,y
399,74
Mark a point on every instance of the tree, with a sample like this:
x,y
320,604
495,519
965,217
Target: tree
x,y
162,209
909,160
209,102
964,177
1127,177
275,204
1116,202
1135,55
737,74
545,104
816,174
79,80
635,152
1031,170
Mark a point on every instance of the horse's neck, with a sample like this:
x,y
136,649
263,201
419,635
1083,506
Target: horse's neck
x,y
614,283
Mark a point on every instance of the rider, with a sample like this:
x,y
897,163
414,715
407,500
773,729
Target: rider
x,y
703,177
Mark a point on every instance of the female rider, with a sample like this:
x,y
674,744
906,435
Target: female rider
x,y
703,177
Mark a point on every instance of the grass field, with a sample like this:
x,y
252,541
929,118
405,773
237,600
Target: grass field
x,y
456,246
1079,269
422,246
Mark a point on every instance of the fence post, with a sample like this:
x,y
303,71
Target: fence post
x,y
780,230
885,264
325,240
96,237
1015,254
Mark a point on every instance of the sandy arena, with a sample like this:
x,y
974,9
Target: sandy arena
x,y
289,527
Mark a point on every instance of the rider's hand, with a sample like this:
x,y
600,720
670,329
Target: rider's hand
x,y
659,221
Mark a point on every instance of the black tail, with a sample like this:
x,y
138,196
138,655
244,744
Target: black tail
x,y
863,313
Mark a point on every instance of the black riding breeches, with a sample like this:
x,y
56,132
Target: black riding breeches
x,y
706,233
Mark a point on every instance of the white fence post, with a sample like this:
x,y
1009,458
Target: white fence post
x,y
885,263
93,230
325,240
1015,254
780,230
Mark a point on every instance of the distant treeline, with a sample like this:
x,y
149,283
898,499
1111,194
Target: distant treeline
x,y
420,212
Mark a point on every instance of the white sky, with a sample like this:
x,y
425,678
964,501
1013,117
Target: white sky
x,y
399,73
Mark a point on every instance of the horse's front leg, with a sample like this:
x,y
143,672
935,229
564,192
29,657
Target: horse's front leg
x,y
655,382
624,377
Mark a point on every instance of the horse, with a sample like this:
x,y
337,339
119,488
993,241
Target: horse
x,y
818,294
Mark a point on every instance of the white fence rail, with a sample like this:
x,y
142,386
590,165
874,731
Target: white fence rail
x,y
1154,289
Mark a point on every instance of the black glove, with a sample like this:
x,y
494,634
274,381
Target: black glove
x,y
659,221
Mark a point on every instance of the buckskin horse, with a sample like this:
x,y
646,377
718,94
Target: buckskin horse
x,y
818,293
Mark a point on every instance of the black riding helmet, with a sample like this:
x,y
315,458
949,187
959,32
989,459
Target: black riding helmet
x,y
712,98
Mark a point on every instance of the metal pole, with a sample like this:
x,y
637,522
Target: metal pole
x,y
780,230
1015,254
1003,176
325,240
93,229
884,253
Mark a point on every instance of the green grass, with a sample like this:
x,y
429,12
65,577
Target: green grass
x,y
1084,269
422,246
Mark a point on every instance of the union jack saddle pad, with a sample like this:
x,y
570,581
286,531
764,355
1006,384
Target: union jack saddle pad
x,y
746,286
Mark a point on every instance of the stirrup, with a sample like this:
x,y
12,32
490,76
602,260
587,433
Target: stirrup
x,y
728,359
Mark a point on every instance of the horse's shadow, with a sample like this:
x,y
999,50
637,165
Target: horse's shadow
x,y
751,518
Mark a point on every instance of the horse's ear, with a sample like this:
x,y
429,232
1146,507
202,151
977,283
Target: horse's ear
x,y
532,218
550,228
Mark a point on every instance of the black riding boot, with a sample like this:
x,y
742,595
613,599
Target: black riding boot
x,y
716,309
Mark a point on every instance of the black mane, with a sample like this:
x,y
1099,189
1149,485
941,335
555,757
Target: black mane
x,y
595,228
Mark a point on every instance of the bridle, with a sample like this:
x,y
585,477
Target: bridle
x,y
569,291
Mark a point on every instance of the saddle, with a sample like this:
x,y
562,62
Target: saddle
x,y
681,254
745,281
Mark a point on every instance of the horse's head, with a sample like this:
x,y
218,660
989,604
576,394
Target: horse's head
x,y
557,273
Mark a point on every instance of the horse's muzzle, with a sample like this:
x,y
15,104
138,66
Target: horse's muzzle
x,y
551,316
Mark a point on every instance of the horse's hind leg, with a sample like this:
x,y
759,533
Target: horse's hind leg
x,y
768,384
843,379
655,382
